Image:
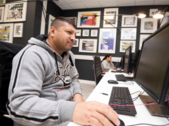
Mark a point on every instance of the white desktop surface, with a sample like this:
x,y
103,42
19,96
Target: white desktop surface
x,y
142,116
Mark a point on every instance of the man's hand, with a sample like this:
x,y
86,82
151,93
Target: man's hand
x,y
94,114
113,68
78,98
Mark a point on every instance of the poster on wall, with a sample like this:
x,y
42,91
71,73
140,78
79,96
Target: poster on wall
x,y
125,44
89,19
88,45
6,32
1,14
15,12
51,18
76,43
110,17
107,40
142,38
18,30
128,33
129,21
148,25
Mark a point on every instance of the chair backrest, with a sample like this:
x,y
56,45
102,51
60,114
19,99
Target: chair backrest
x,y
7,52
97,69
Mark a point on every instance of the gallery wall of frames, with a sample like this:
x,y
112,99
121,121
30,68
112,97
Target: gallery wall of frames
x,y
17,19
110,30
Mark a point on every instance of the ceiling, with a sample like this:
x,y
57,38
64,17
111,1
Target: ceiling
x,y
82,4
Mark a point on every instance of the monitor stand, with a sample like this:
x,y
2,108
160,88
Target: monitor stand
x,y
129,77
155,110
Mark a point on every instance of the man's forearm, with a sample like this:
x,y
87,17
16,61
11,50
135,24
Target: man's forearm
x,y
78,98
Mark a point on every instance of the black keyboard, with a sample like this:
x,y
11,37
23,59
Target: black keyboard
x,y
121,77
121,96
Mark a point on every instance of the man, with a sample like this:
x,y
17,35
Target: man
x,y
44,88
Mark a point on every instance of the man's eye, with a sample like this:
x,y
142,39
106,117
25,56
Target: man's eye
x,y
69,32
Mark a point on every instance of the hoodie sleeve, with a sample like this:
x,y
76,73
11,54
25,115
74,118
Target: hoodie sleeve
x,y
104,65
75,82
25,106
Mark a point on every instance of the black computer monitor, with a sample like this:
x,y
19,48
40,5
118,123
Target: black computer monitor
x,y
135,60
152,73
122,61
127,60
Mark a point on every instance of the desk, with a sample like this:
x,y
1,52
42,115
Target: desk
x,y
142,116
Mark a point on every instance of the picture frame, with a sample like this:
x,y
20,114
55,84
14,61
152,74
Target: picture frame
x,y
88,19
76,43
6,32
165,19
51,18
18,30
128,33
151,12
148,25
110,17
2,1
125,44
88,45
78,32
107,40
15,11
129,21
74,19
85,32
1,14
94,33
142,38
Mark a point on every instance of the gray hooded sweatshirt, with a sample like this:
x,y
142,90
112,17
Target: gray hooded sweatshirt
x,y
37,95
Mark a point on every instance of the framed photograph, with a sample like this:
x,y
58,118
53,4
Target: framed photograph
x,y
1,14
78,32
148,25
15,12
73,19
165,19
85,32
76,43
129,21
142,38
88,45
107,40
151,12
2,1
128,33
88,19
18,30
110,17
6,32
94,33
125,44
51,18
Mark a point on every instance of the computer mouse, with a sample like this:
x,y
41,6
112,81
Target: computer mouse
x,y
121,123
112,82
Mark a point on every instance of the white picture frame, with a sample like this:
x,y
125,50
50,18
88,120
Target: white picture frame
x,y
128,33
151,12
76,43
85,32
78,32
94,33
2,2
74,19
88,45
18,30
107,40
6,32
51,18
165,19
1,14
142,38
129,21
125,44
88,19
14,15
110,17
148,25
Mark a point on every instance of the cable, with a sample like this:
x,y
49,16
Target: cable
x,y
138,96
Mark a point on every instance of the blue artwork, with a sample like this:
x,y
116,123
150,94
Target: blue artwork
x,y
107,41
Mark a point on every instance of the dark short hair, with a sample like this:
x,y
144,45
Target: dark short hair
x,y
108,55
58,22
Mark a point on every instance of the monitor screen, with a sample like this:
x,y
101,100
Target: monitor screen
x,y
122,61
127,60
152,68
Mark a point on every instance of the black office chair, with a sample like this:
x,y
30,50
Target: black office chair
x,y
7,52
97,69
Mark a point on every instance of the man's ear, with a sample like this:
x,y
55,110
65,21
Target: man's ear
x,y
52,31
